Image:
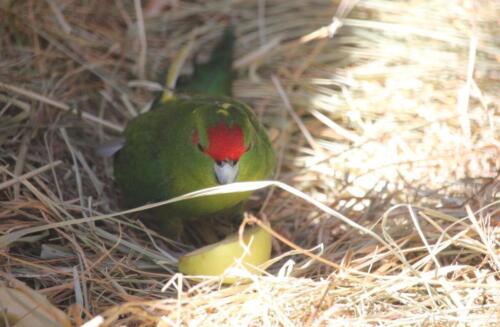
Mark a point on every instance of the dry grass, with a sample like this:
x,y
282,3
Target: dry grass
x,y
387,133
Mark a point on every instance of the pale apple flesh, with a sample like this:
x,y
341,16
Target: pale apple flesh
x,y
215,259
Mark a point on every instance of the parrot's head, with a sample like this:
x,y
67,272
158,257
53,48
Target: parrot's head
x,y
225,132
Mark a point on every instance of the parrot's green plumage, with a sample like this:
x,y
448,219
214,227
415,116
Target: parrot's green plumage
x,y
187,144
216,76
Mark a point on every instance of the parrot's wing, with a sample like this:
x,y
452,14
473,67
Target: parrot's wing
x,y
111,147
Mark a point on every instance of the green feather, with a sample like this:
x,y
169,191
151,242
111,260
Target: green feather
x,y
216,76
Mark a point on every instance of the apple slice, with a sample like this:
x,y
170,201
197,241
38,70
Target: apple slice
x,y
215,259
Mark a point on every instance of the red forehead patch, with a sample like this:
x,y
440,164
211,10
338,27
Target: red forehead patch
x,y
224,143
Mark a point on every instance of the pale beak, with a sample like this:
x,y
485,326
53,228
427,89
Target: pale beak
x,y
226,171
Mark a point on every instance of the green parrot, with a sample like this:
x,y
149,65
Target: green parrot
x,y
200,140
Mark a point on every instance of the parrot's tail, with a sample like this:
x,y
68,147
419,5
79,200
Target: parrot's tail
x,y
216,76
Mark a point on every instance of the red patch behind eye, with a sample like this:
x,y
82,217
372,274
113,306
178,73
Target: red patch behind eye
x,y
224,143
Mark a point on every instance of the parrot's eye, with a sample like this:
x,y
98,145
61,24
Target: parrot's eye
x,y
200,147
249,147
